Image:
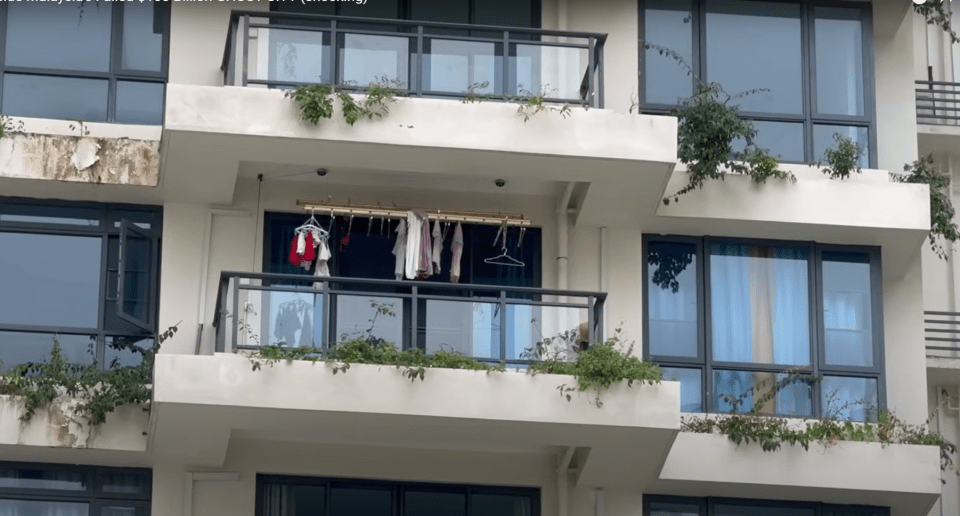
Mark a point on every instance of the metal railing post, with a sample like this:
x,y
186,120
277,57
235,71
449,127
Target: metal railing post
x,y
414,318
245,49
506,64
335,50
503,326
417,78
230,74
591,63
222,320
236,314
600,46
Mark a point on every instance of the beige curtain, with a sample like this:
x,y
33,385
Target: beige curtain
x,y
762,304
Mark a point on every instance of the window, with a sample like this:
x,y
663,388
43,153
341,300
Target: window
x,y
84,274
680,506
74,490
733,319
300,496
811,63
98,61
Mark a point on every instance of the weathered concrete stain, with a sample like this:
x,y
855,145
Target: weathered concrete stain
x,y
116,161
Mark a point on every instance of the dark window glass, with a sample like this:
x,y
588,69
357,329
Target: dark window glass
x,y
673,509
848,398
839,44
50,280
64,98
294,499
672,299
47,35
33,507
691,387
22,347
126,351
736,391
750,510
125,483
51,478
824,137
36,214
140,102
668,24
388,9
143,25
448,11
357,501
756,45
499,505
428,503
123,511
784,139
847,309
759,304
510,13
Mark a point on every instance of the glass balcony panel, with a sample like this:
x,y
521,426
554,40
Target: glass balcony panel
x,y
366,59
369,317
268,317
544,332
291,56
737,391
454,66
555,72
853,399
466,327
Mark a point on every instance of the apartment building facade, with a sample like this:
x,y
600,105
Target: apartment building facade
x,y
154,174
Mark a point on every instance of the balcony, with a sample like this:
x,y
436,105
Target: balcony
x,y
938,116
942,338
213,399
429,134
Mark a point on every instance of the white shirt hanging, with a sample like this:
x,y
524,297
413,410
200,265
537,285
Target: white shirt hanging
x,y
414,236
400,249
437,246
457,247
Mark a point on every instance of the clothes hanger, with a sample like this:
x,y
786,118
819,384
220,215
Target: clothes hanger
x,y
523,231
312,224
504,258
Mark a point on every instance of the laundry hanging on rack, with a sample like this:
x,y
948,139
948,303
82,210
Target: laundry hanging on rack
x,y
400,249
437,246
425,265
457,247
323,258
416,219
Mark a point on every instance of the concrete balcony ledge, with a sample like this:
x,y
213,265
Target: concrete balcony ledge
x,y
904,477
216,397
54,434
867,209
210,130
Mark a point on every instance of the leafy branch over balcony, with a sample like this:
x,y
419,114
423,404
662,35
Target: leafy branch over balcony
x,y
934,13
98,391
317,101
942,212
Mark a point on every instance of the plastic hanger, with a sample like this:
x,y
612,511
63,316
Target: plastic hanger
x,y
504,258
312,225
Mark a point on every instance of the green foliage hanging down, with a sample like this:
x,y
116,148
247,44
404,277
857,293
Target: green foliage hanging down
x,y
317,101
843,159
934,13
942,226
528,103
98,391
9,126
707,128
600,366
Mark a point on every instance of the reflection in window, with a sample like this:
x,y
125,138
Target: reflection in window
x,y
739,391
847,309
848,398
672,299
691,385
839,44
668,24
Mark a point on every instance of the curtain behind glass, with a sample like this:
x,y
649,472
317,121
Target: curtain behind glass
x,y
42,508
760,305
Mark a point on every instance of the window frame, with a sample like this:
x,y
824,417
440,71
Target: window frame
x,y
705,362
116,71
810,116
94,495
405,11
111,219
397,489
707,505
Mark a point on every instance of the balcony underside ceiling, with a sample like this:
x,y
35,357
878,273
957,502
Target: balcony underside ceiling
x,y
212,135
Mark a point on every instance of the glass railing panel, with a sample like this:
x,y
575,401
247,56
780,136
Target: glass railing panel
x,y
290,56
536,332
371,317
556,72
466,327
278,317
371,58
454,66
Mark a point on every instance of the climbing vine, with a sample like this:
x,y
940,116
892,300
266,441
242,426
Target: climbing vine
x,y
317,101
528,103
9,125
942,227
934,13
98,391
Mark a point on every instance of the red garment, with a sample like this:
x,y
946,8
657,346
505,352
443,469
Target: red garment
x,y
295,257
310,250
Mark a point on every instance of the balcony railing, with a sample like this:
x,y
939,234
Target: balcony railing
x,y
278,50
487,322
938,102
942,334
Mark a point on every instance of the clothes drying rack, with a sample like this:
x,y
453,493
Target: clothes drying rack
x,y
394,212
